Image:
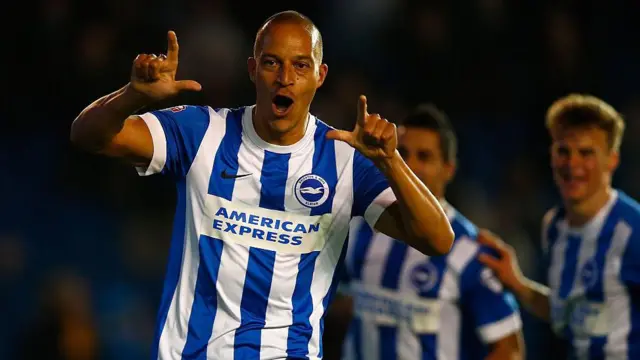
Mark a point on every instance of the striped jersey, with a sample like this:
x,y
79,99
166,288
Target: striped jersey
x,y
594,280
410,306
258,234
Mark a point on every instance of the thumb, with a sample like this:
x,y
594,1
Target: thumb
x,y
340,135
190,85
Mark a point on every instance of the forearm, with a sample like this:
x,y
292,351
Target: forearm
x,y
423,218
99,122
534,297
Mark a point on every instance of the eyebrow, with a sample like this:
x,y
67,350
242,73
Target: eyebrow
x,y
297,57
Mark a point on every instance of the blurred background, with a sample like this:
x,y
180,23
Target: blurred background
x,y
84,240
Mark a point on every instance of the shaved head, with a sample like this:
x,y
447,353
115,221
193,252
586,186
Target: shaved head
x,y
290,17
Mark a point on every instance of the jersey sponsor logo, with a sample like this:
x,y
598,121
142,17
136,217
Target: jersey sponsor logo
x,y
311,190
280,231
389,308
585,318
424,277
176,109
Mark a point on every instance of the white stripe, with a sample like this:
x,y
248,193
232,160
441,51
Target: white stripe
x,y
328,259
379,205
174,334
235,258
159,139
448,339
557,258
618,303
279,315
495,331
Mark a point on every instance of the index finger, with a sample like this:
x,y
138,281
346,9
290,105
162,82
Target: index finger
x,y
486,238
362,110
172,47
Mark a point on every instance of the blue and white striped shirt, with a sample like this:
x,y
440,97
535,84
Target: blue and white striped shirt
x,y
410,306
259,232
594,278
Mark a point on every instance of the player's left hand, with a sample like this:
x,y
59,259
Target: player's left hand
x,y
373,136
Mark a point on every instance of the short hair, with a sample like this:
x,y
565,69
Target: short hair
x,y
429,117
581,110
289,17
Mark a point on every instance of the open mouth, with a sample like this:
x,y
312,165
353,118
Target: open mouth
x,y
282,104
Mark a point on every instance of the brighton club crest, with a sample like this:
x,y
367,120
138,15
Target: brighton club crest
x,y
311,190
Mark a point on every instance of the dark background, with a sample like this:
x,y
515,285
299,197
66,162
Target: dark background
x,y
84,240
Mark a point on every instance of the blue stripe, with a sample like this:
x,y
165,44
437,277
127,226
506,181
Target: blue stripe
x,y
173,266
257,284
205,302
391,280
363,239
203,309
253,305
323,165
226,158
596,347
388,341
570,263
395,259
428,345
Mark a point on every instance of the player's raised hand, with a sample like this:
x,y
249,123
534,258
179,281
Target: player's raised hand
x,y
373,136
505,265
155,76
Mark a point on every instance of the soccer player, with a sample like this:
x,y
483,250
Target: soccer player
x,y
265,195
409,306
591,240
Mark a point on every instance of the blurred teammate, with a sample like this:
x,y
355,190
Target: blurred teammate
x,y
592,240
265,195
406,305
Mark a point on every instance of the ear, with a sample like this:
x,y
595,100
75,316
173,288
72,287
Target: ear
x,y
322,74
614,161
450,169
252,65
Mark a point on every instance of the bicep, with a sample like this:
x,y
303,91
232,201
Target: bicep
x,y
390,222
133,143
509,347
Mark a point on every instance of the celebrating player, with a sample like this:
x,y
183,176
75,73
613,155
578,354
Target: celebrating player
x,y
265,195
409,306
591,242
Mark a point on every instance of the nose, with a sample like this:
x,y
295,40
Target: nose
x,y
286,75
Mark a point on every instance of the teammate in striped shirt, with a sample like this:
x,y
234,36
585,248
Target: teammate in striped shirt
x,y
409,306
265,195
591,241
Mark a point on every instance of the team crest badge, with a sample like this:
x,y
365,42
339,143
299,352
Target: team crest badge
x,y
176,109
311,190
424,277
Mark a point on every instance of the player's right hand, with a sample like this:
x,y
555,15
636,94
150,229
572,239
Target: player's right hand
x,y
155,76
505,265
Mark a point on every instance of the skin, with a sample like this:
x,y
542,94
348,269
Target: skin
x,y
583,165
421,150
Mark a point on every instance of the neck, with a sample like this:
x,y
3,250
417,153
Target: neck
x,y
275,136
580,213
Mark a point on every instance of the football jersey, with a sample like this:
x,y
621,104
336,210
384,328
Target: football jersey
x,y
410,306
594,280
259,232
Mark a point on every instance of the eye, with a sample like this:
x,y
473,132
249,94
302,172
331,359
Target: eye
x,y
301,65
268,62
424,156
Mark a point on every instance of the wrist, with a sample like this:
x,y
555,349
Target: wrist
x,y
388,163
133,99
